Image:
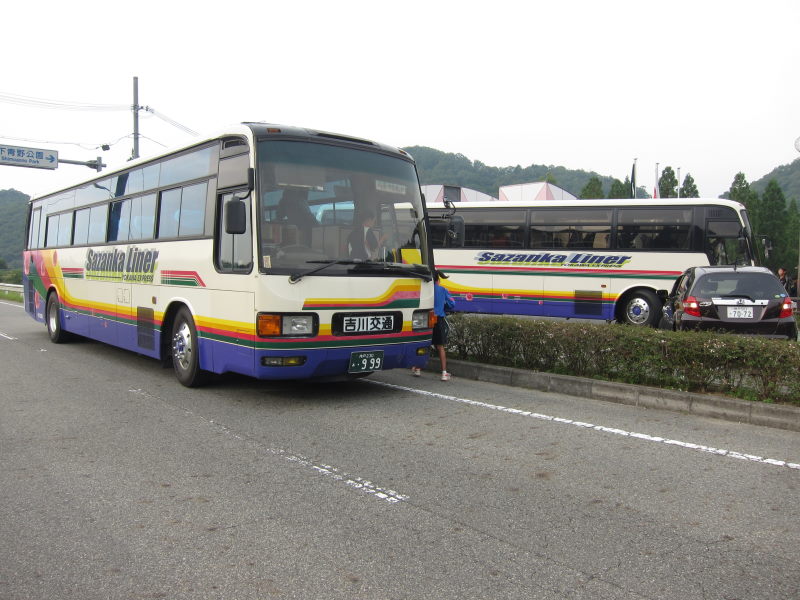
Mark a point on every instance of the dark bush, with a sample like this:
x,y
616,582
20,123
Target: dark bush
x,y
747,367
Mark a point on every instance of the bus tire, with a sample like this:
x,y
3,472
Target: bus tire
x,y
52,318
642,308
185,350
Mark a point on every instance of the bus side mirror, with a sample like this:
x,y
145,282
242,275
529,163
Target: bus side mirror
x,y
235,217
455,230
767,243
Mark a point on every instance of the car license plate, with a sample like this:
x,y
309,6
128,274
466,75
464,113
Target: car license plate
x,y
740,312
366,362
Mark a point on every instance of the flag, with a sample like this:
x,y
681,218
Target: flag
x,y
633,179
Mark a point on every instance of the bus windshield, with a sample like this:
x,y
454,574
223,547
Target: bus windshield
x,y
322,203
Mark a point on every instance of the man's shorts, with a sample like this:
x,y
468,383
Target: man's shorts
x,y
440,330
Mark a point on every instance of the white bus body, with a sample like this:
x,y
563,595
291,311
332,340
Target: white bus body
x,y
232,255
595,259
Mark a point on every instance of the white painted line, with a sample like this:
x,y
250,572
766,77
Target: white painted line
x,y
8,337
615,431
357,483
17,304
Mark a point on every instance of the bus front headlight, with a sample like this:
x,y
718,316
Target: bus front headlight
x,y
421,319
298,325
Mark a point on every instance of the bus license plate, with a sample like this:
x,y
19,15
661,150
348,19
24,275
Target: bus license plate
x,y
365,362
740,312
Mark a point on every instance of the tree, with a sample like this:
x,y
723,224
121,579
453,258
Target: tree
x,y
593,189
792,238
689,189
3,264
620,189
668,184
773,224
740,192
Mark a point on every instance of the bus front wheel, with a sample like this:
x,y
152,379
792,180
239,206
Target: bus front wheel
x,y
642,308
185,350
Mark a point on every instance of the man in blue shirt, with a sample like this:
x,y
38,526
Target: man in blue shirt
x,y
442,303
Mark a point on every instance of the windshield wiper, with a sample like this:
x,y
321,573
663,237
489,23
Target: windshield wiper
x,y
365,265
380,267
295,277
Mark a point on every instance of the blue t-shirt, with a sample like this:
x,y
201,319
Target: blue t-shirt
x,y
441,297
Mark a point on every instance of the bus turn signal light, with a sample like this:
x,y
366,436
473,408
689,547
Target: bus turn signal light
x,y
269,325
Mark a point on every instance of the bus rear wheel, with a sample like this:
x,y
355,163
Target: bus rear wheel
x,y
185,350
52,318
642,308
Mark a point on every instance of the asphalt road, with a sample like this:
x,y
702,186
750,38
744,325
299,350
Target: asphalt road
x,y
117,482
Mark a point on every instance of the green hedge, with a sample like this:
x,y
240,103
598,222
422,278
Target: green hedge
x,y
747,367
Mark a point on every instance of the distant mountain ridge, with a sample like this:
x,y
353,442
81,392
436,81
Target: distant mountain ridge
x,y
13,213
435,167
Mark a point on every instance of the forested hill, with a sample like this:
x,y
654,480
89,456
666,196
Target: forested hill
x,y
13,206
788,178
437,167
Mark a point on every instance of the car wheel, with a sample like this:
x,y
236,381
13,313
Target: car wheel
x,y
641,308
185,350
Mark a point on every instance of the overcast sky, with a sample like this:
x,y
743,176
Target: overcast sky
x,y
710,86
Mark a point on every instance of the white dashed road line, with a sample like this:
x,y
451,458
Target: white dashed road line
x,y
602,428
358,483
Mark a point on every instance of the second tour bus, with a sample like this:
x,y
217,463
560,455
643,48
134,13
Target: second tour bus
x,y
244,252
593,259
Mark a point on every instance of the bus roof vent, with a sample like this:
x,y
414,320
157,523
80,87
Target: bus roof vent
x,y
343,138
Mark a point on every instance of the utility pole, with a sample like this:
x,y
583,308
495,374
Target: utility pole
x,y
136,108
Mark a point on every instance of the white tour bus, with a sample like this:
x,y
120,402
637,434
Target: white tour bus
x,y
238,253
591,259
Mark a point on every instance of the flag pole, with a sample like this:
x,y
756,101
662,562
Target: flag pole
x,y
655,188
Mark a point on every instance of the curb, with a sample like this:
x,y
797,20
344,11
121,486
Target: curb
x,y
778,416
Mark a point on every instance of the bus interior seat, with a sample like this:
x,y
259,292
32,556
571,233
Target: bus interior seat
x,y
600,240
327,239
289,235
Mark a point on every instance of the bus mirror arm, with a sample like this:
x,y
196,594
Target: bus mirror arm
x,y
251,179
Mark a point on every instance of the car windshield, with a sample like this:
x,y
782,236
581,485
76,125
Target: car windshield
x,y
323,203
756,286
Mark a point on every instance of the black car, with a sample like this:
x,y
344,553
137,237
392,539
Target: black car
x,y
748,300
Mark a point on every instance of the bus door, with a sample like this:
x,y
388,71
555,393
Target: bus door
x,y
517,282
573,248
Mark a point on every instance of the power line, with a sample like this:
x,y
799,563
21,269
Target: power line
x,y
65,105
172,122
84,145
58,104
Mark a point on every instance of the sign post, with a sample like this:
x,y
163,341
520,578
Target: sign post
x,y
37,158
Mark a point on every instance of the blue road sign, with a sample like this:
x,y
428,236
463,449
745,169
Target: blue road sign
x,y
37,158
